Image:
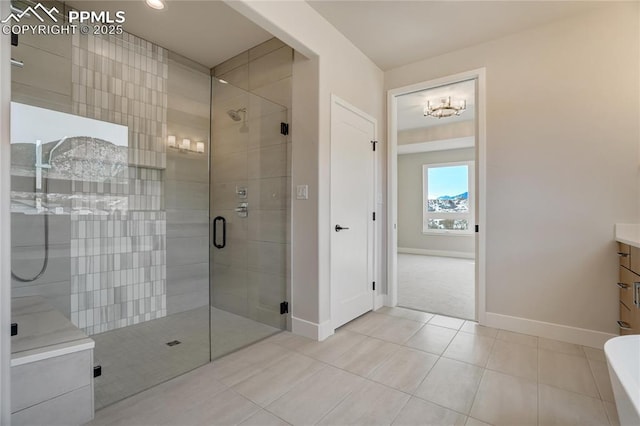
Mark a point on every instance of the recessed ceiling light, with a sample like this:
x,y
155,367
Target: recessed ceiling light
x,y
155,4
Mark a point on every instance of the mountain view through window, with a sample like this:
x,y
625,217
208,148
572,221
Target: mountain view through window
x,y
447,198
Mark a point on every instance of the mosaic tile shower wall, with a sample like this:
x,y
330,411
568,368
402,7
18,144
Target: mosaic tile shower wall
x,y
123,79
118,221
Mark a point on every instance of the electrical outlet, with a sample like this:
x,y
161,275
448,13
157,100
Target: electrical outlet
x,y
302,192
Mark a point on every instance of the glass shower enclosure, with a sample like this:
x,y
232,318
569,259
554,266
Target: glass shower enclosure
x,y
149,206
249,217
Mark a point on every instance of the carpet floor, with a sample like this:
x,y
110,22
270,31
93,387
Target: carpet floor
x,y
442,285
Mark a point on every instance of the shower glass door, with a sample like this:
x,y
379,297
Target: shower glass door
x,y
249,217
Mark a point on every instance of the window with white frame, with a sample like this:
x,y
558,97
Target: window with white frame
x,y
448,198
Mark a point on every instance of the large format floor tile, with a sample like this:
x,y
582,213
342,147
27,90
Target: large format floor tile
x,y
515,359
366,357
523,339
475,422
396,330
452,384
475,376
288,340
562,347
470,348
612,413
506,400
161,402
419,412
264,418
475,328
603,382
247,362
315,396
567,372
406,313
373,404
404,370
271,383
365,324
225,408
443,321
432,339
594,354
560,407
333,347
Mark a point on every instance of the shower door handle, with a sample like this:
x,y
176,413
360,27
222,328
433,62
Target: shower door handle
x,y
215,232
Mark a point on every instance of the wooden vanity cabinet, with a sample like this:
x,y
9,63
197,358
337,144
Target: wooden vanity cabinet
x,y
629,289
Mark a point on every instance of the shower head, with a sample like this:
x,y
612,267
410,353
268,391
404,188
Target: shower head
x,y
235,113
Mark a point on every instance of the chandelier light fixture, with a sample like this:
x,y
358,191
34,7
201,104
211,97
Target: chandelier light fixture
x,y
445,108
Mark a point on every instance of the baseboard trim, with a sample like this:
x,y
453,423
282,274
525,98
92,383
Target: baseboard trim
x,y
579,336
325,330
441,253
379,301
310,329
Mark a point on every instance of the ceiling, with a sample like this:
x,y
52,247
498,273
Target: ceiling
x,y
411,105
393,33
390,32
208,32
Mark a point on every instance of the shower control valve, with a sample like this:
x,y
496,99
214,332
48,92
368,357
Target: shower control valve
x,y
241,191
243,209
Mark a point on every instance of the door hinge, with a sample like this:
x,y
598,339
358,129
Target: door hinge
x,y
374,215
374,286
14,328
477,228
374,144
284,308
284,128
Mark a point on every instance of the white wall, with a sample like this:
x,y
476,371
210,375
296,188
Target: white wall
x,y
562,166
332,66
410,188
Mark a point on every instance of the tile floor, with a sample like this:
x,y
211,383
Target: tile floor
x,y
136,358
393,366
438,284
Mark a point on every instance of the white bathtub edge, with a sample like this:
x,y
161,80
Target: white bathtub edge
x,y
621,352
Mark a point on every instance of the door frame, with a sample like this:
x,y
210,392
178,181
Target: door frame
x,y
479,75
376,301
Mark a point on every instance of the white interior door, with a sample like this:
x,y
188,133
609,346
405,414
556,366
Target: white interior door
x,y
352,207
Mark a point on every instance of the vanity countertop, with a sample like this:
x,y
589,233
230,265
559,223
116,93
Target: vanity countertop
x,y
628,233
43,332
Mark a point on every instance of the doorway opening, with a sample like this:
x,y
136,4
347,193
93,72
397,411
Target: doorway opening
x,y
436,157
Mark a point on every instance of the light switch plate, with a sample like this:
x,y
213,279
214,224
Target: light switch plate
x,y
302,192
